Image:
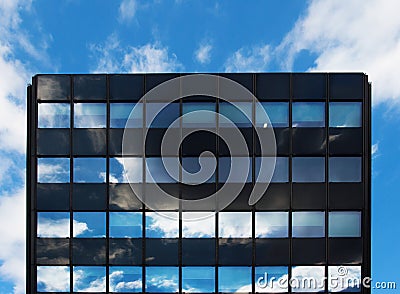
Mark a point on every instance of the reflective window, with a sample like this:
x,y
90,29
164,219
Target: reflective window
x,y
308,114
54,115
198,251
89,170
198,120
271,279
53,279
53,224
90,115
192,166
88,251
235,175
198,225
163,118
89,278
278,114
53,170
272,224
310,278
345,169
345,114
120,115
125,225
240,114
235,224
344,278
89,224
156,172
234,279
53,87
308,224
281,171
308,169
162,279
91,87
344,224
52,251
162,251
198,279
163,225
132,172
125,251
125,279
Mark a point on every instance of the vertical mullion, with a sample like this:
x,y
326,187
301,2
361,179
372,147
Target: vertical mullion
x,y
107,182
290,180
253,158
327,99
144,129
71,180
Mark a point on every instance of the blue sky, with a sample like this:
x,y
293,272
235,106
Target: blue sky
x,y
198,36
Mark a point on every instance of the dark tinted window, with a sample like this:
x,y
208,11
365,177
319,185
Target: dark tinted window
x,y
346,86
91,87
88,251
52,251
53,87
126,87
309,86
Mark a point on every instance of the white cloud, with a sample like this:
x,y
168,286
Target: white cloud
x,y
54,278
354,35
151,57
203,53
247,59
127,10
12,241
375,150
167,223
235,224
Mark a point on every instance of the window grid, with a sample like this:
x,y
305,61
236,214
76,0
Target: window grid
x,y
253,209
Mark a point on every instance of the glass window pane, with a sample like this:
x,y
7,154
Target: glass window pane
x,y
121,112
125,279
344,224
192,166
234,279
345,114
163,118
90,115
235,225
272,224
198,279
132,172
345,169
53,87
89,278
89,170
236,175
271,279
344,278
125,251
308,114
53,170
278,113
125,225
53,279
89,224
308,224
156,172
52,251
281,172
310,278
163,225
308,169
198,225
240,114
162,279
199,120
53,224
54,115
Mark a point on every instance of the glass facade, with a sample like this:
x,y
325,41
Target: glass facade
x,y
89,232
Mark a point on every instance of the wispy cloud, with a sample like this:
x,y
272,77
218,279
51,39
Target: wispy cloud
x,y
127,10
354,35
150,57
249,59
203,53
